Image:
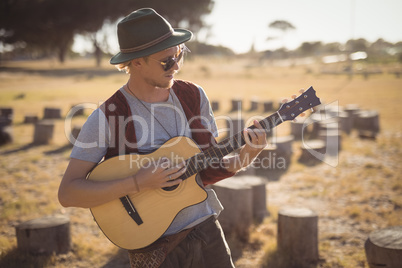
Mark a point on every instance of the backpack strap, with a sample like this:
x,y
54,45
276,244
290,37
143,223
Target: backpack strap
x,y
118,115
189,97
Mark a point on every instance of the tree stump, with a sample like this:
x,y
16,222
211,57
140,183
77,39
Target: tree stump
x,y
284,144
45,235
76,110
52,113
345,122
272,162
75,131
329,124
31,119
367,124
236,105
215,105
312,152
43,133
249,171
352,111
237,199
384,248
314,125
258,186
6,134
7,115
298,235
268,106
297,129
333,141
254,104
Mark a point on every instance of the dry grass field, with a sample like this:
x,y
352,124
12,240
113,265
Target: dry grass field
x,y
362,193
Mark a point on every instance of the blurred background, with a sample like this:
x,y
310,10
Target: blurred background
x,y
248,56
63,29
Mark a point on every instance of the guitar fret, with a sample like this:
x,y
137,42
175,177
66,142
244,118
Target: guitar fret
x,y
190,165
226,149
239,144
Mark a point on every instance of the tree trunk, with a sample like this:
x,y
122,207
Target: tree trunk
x,y
44,235
384,248
298,235
43,132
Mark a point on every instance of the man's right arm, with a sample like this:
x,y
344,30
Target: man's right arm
x,y
76,191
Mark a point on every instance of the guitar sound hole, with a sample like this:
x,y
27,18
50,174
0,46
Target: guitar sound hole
x,y
170,188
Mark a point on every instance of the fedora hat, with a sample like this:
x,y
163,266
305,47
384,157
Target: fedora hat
x,y
145,32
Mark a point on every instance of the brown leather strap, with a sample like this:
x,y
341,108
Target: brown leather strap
x,y
154,254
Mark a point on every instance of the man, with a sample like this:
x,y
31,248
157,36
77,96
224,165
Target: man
x,y
158,108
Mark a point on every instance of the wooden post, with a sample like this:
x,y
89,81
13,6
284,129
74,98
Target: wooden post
x,y
352,110
315,118
7,115
74,134
268,106
272,162
329,124
236,105
52,113
258,186
215,106
237,199
313,152
44,235
345,122
284,144
77,110
298,235
367,124
254,104
43,133
384,248
297,129
333,141
31,119
6,133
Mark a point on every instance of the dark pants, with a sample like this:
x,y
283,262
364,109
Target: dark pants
x,y
205,246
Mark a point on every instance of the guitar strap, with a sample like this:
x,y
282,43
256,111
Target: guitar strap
x,y
118,114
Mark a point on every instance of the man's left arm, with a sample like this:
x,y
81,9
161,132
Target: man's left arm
x,y
256,141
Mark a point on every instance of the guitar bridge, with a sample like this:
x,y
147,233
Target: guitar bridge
x,y
131,211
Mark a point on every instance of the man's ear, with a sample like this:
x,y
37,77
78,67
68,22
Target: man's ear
x,y
136,63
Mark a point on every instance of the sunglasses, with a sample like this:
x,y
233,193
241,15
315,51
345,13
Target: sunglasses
x,y
171,61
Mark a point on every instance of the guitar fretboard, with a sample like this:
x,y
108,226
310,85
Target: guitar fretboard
x,y
213,155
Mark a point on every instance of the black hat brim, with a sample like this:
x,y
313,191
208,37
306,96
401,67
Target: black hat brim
x,y
178,37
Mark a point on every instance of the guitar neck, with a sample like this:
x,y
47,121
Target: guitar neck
x,y
213,155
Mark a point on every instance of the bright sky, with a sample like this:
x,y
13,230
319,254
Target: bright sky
x,y
238,24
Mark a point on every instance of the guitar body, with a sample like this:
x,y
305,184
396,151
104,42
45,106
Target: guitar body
x,y
157,208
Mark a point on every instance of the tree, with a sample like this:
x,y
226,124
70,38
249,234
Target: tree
x,y
310,48
49,26
282,26
355,45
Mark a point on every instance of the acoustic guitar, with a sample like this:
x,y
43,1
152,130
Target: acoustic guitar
x,y
137,220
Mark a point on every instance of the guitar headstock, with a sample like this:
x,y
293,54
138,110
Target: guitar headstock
x,y
291,109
